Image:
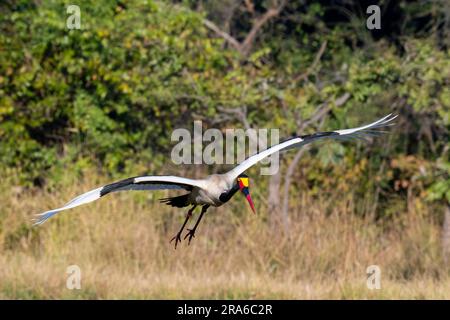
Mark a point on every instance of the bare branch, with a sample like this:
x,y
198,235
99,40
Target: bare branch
x,y
239,113
342,99
323,110
245,47
232,41
258,24
319,54
250,6
313,65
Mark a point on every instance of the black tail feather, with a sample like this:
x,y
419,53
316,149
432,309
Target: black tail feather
x,y
179,202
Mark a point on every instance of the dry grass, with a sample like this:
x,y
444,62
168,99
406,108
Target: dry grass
x,y
122,246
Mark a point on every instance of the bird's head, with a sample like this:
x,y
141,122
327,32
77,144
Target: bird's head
x,y
243,183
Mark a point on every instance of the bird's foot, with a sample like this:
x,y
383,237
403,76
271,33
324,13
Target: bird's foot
x,y
190,234
177,239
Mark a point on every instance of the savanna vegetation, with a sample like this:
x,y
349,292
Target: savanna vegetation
x,y
80,108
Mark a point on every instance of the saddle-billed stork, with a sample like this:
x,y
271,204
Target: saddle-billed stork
x,y
216,189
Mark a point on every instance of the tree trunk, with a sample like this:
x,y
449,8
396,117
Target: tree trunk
x,y
287,183
446,235
273,199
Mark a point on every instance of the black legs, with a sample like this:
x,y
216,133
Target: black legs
x,y
177,237
191,232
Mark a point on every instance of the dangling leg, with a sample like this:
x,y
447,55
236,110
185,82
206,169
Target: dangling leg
x,y
191,232
177,237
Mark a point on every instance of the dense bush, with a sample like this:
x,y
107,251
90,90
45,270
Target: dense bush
x,y
110,94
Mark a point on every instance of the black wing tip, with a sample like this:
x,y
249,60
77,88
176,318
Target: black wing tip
x,y
115,185
320,135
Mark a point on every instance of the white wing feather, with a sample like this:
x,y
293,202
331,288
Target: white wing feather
x,y
172,179
137,183
345,134
249,162
78,201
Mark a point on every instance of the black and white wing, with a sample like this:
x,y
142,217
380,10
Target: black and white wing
x,y
296,142
135,183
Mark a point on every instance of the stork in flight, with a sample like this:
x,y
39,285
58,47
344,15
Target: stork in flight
x,y
216,189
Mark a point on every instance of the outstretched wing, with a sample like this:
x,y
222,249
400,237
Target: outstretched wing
x,y
296,142
135,183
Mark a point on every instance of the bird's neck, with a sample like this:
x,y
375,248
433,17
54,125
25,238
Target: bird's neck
x,y
226,196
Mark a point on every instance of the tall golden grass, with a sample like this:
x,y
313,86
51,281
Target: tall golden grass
x,y
121,243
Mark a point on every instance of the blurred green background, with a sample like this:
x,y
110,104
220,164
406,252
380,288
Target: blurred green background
x,y
107,96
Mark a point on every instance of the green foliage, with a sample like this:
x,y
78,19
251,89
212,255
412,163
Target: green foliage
x,y
116,87
440,188
110,94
